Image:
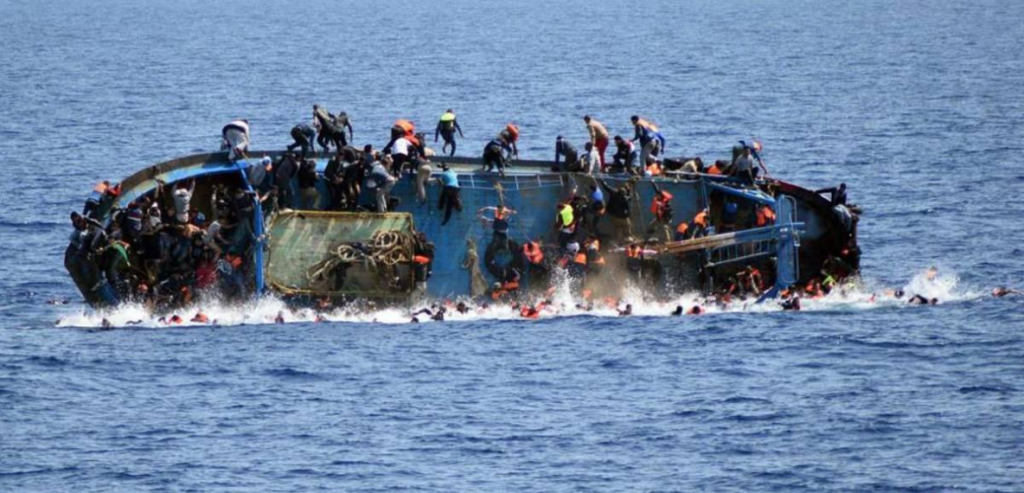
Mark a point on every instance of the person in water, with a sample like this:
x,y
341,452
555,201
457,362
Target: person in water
x,y
627,311
1001,291
447,125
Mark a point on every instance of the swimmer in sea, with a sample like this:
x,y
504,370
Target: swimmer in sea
x,y
921,300
462,308
695,310
1001,291
678,311
792,304
627,312
280,318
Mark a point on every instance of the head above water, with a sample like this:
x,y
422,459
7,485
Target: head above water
x,y
586,118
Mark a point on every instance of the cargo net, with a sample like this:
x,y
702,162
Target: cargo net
x,y
382,254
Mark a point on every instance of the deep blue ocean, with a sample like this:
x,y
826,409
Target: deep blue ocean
x,y
918,106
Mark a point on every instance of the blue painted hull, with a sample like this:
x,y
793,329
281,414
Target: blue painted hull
x,y
535,192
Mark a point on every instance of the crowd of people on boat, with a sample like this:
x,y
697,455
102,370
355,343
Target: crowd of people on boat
x,y
353,169
159,250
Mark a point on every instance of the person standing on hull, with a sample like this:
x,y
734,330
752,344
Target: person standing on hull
x,y
743,165
598,136
652,143
591,162
235,139
446,128
304,136
564,148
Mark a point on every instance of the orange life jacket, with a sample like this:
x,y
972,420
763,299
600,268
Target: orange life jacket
x,y
682,228
510,285
713,170
407,126
658,204
513,131
701,219
765,216
654,169
533,253
581,258
420,259
633,251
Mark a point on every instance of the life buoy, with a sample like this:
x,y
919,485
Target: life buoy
x,y
501,256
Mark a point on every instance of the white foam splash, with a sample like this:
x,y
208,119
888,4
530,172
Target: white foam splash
x,y
852,296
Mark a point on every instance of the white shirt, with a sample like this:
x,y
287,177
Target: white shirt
x,y
182,197
402,146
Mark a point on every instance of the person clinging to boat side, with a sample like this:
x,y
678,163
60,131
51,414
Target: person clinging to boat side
x,y
447,125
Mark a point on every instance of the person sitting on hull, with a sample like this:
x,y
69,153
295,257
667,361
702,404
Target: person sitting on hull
x,y
626,158
565,149
304,136
235,139
447,125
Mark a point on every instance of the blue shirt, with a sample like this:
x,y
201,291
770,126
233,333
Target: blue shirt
x,y
449,179
597,196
